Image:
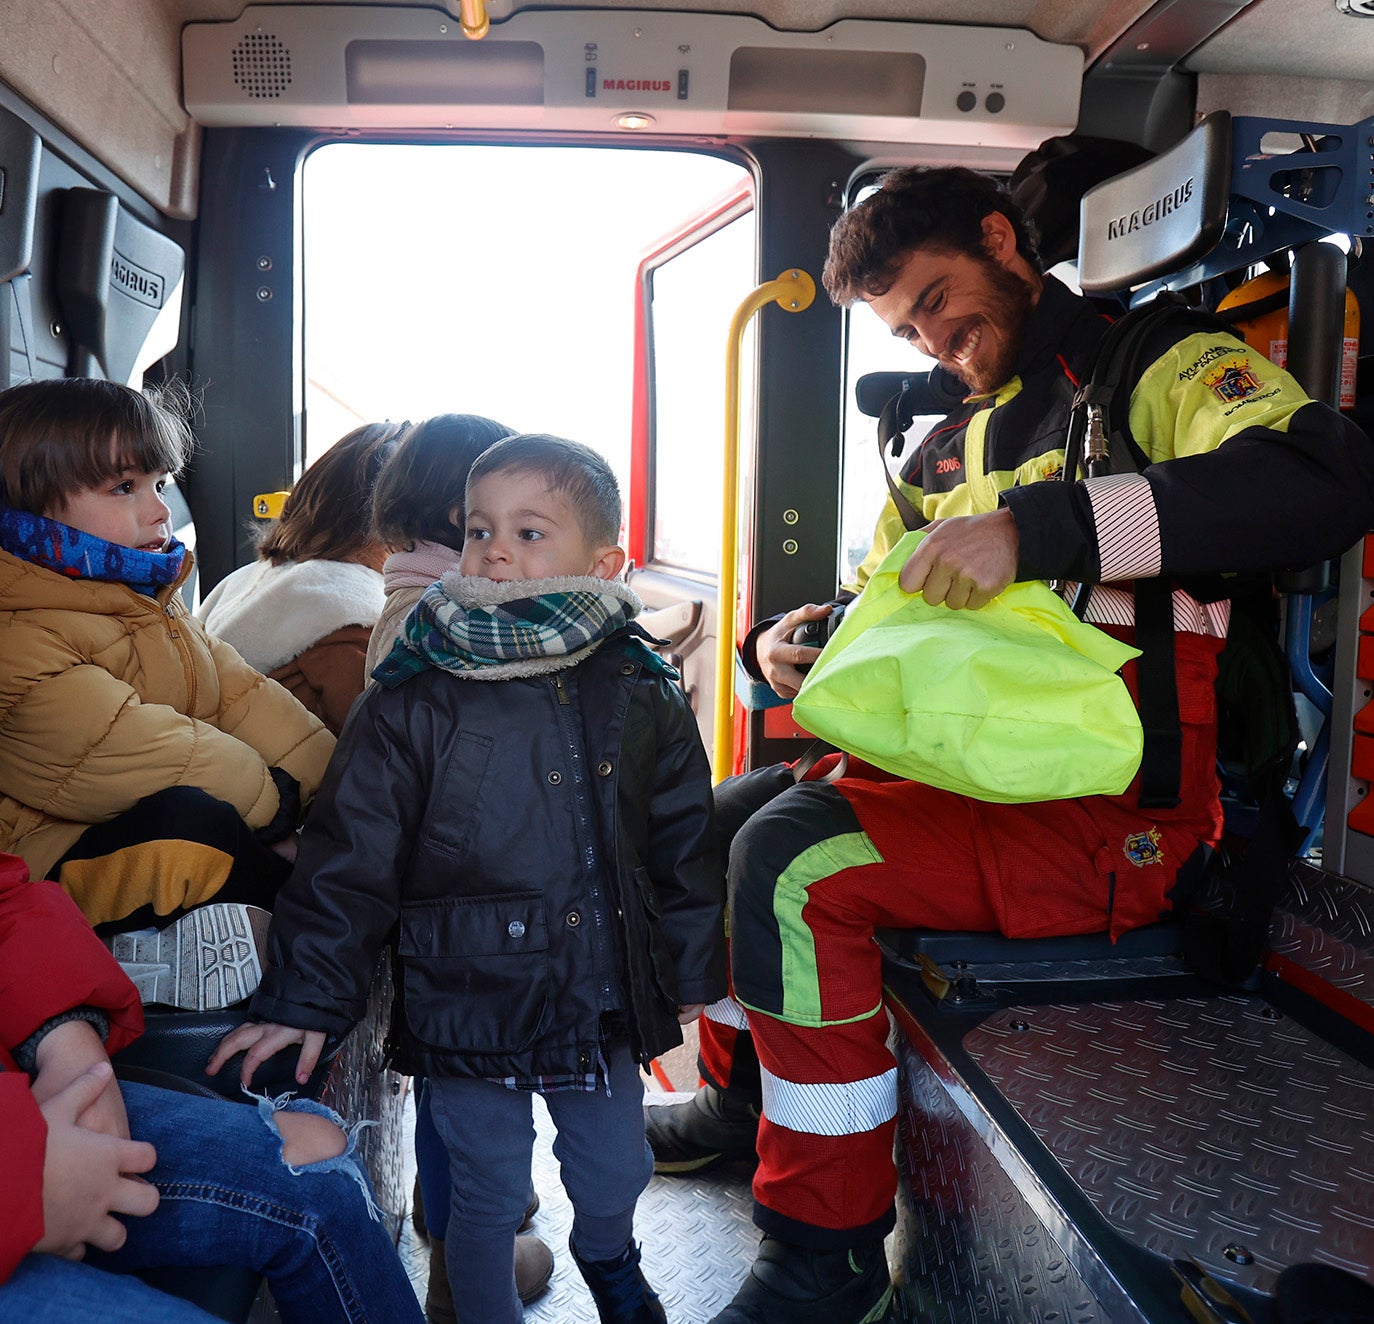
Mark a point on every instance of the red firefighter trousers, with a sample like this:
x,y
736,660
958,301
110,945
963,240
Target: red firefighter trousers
x,y
815,868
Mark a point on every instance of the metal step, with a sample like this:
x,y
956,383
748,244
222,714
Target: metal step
x,y
970,1247
1063,1146
1216,1129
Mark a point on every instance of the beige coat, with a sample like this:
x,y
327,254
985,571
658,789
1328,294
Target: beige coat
x,y
108,695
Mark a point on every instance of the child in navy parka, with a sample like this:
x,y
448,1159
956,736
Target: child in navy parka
x,y
525,798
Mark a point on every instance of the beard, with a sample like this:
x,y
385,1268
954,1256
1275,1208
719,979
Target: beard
x,y
1002,323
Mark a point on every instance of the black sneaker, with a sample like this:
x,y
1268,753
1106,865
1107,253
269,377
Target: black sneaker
x,y
212,957
700,1132
790,1285
619,1290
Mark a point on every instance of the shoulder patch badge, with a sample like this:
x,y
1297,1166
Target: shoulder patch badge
x,y
1232,381
1142,848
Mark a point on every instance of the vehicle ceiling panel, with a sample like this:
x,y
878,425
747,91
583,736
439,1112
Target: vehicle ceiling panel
x,y
108,71
1310,38
1089,24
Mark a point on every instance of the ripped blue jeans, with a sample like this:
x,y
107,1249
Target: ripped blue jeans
x,y
228,1198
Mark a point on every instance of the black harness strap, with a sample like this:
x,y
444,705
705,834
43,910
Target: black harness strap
x,y
1121,358
896,417
1161,761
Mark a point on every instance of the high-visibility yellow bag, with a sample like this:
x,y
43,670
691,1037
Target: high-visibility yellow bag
x,y
1015,702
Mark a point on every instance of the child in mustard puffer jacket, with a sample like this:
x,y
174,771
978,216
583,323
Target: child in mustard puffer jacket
x,y
144,765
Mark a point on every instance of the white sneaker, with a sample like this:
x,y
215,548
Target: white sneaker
x,y
211,957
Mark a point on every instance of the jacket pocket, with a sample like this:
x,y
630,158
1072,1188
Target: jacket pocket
x,y
453,808
475,971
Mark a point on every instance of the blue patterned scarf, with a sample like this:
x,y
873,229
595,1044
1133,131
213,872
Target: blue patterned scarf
x,y
482,629
77,555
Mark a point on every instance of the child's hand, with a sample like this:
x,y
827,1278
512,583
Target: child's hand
x,y
86,1177
63,1055
286,847
259,1040
686,1015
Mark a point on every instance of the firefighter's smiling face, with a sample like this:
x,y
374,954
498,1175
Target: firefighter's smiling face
x,y
967,311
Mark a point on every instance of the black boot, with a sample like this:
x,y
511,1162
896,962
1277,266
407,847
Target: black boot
x,y
701,1131
619,1290
790,1285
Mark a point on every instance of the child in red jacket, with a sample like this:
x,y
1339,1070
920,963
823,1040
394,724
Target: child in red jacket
x,y
129,1176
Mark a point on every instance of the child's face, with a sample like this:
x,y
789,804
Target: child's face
x,y
518,529
126,509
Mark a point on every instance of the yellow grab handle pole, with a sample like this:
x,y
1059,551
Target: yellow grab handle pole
x,y
472,18
794,292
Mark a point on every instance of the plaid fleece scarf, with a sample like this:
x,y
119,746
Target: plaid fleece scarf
x,y
482,629
77,555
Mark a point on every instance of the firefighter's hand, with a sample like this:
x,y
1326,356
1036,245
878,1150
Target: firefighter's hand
x,y
779,657
965,561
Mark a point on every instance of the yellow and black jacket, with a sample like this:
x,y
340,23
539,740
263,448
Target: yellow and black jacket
x,y
108,695
1245,471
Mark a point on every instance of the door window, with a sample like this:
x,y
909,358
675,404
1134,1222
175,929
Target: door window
x,y
450,278
693,296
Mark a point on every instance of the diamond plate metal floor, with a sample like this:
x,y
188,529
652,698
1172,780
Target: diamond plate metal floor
x,y
969,1249
1211,1127
696,1233
1325,925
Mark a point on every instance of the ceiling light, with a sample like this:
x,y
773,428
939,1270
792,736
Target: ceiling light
x,y
634,119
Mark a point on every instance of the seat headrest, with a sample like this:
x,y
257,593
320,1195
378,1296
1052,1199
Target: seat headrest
x,y
1159,217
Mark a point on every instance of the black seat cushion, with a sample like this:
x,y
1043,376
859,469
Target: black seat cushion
x,y
180,1043
945,946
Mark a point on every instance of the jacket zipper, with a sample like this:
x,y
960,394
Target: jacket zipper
x,y
174,634
186,662
586,826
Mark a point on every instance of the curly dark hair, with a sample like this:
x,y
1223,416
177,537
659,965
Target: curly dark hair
x,y
940,206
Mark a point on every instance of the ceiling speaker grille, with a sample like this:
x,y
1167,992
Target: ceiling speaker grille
x,y
262,65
